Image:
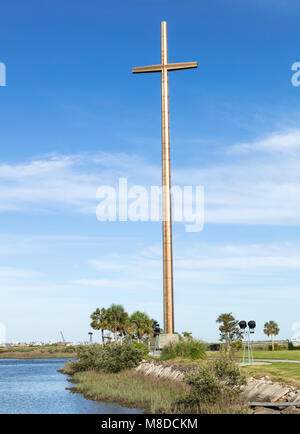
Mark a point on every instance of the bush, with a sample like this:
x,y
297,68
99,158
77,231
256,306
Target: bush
x,y
277,347
112,357
293,347
236,345
260,347
188,349
215,381
67,349
214,347
144,349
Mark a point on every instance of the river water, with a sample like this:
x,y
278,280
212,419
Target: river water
x,y
33,386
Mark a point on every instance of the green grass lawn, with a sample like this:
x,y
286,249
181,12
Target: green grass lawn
x,y
284,354
282,372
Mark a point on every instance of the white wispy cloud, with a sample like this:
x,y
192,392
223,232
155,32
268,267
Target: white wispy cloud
x,y
105,265
201,264
106,284
214,276
100,283
64,182
288,141
8,273
195,264
240,190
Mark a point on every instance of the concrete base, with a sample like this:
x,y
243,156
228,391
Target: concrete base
x,y
165,339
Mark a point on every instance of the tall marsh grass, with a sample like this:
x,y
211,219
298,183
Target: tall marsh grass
x,y
184,348
132,389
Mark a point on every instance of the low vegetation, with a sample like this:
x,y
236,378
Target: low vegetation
x,y
104,372
215,387
112,357
131,389
184,348
38,352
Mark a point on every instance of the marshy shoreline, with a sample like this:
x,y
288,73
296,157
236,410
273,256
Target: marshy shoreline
x,y
128,388
153,386
158,388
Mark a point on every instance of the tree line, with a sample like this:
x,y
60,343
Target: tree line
x,y
230,331
116,320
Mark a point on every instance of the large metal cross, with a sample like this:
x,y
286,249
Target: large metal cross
x,y
164,68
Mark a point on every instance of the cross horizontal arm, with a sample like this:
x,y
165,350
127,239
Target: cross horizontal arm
x,y
151,68
182,65
168,66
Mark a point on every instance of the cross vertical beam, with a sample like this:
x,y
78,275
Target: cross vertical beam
x,y
164,69
166,190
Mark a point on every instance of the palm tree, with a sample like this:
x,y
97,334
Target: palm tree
x,y
271,329
117,320
187,335
126,327
141,325
100,321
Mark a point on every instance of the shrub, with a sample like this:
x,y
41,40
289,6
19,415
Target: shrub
x,y
67,349
189,349
117,357
292,347
112,357
260,347
144,349
213,382
214,347
236,345
277,347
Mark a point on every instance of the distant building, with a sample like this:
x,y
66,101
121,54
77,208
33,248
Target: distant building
x,y
10,344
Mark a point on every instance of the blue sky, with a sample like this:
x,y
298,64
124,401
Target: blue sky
x,y
73,118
